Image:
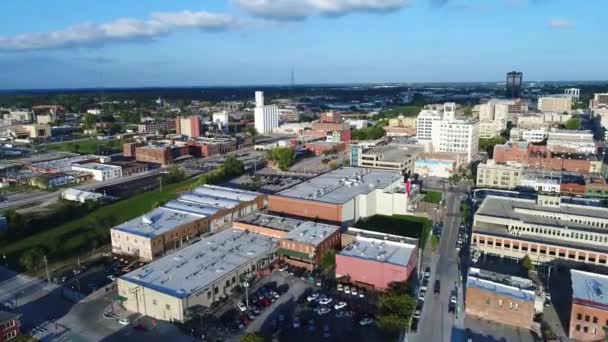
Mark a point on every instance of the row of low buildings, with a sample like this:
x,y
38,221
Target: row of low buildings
x,y
167,152
239,242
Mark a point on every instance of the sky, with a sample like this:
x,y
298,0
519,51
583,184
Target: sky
x,y
129,43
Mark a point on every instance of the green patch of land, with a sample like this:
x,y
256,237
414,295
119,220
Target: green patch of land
x,y
402,225
433,197
90,146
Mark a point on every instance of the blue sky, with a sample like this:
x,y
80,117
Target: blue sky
x,y
116,43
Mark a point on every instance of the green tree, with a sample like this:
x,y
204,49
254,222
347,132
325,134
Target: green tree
x,y
333,165
89,121
395,310
251,131
488,144
573,123
252,337
233,166
526,263
328,260
32,258
392,323
368,133
285,157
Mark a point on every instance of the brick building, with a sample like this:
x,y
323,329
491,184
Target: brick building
x,y
501,298
539,157
375,260
160,154
589,313
190,126
9,325
321,147
128,149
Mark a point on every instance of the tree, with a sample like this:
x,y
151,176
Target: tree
x,y
526,263
328,260
251,131
395,311
573,123
89,121
285,157
333,165
392,323
32,258
233,166
368,133
252,337
488,144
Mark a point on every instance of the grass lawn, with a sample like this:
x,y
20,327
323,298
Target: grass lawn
x,y
433,197
402,225
84,234
86,146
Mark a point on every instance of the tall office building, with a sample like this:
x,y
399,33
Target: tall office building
x,y
266,117
514,82
190,126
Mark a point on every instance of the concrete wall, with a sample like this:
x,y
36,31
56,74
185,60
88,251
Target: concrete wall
x,y
304,208
150,302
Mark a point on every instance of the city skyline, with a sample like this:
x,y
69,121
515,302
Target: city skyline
x,y
259,42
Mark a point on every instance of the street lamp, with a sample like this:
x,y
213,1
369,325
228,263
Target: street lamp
x,y
246,285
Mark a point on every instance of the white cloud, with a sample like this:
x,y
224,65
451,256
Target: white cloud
x,y
300,9
124,29
559,23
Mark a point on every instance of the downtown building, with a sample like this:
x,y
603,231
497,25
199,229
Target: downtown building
x,y
589,309
266,117
549,229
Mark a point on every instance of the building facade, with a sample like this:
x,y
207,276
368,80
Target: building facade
x,y
500,176
101,172
190,126
555,103
266,117
9,326
589,310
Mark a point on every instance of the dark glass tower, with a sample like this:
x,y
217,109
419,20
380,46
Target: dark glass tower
x,y
514,81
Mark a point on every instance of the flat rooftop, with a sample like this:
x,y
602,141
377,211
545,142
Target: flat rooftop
x,y
97,166
196,267
272,221
394,153
341,185
515,287
380,250
202,202
590,287
310,233
63,163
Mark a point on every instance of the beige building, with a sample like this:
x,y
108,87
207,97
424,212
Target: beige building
x,y
30,131
545,229
531,121
555,103
401,121
196,276
390,157
501,176
206,209
489,130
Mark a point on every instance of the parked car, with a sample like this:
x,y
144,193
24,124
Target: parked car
x,y
283,268
366,321
111,277
427,272
124,321
353,291
421,295
361,293
241,307
340,287
417,314
323,310
340,305
346,289
324,300
414,326
312,297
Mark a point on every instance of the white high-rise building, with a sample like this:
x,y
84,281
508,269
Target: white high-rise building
x,y
221,120
493,117
555,103
266,117
448,134
574,93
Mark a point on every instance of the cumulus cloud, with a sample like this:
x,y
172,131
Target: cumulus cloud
x,y
300,9
124,29
559,23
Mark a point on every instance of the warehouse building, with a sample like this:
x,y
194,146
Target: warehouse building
x,y
344,195
206,209
546,229
376,260
302,243
197,275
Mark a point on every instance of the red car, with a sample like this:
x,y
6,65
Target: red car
x,y
266,302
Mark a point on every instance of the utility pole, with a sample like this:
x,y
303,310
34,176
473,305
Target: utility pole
x,y
46,268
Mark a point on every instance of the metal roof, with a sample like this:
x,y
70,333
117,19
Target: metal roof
x,y
230,193
590,287
500,288
158,222
311,233
342,185
196,267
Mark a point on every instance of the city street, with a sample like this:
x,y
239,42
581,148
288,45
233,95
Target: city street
x,y
437,323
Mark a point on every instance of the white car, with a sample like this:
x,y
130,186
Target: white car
x,y
241,307
112,277
346,289
453,299
340,305
366,321
340,287
323,310
124,321
421,295
417,314
353,291
312,297
361,293
325,300
283,268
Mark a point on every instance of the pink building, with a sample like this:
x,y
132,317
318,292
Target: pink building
x,y
375,260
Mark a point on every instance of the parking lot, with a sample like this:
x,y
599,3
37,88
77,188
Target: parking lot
x,y
304,308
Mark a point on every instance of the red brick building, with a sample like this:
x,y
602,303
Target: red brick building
x,y
320,147
190,126
374,260
9,325
539,157
163,155
501,298
128,149
589,313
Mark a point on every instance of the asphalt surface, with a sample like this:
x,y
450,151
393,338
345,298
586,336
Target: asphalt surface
x,y
436,323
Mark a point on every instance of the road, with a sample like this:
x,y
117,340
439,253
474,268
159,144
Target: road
x,y
437,323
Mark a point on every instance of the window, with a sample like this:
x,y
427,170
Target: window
x,y
154,302
500,302
10,335
586,329
587,318
594,319
510,305
579,316
168,307
516,306
578,327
